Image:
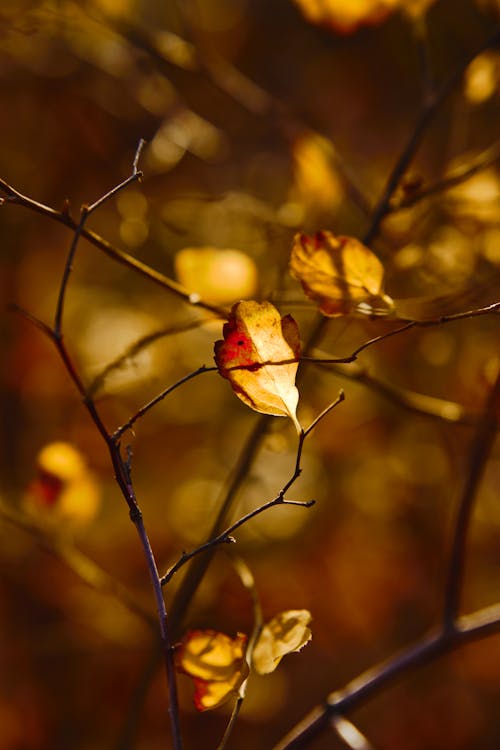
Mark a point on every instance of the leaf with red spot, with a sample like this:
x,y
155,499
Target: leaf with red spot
x,y
216,663
256,337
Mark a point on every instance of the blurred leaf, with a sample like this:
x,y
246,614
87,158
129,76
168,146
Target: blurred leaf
x,y
217,275
316,184
216,662
339,273
286,633
254,336
64,490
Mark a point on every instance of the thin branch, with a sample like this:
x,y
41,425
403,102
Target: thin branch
x,y
156,400
326,410
137,347
482,446
492,309
85,212
121,468
14,197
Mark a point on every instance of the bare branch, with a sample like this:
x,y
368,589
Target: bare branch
x,y
156,400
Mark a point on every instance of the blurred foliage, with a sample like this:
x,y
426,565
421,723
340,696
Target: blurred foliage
x,y
259,124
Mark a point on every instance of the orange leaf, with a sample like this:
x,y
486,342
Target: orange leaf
x,y
216,663
340,273
284,634
255,336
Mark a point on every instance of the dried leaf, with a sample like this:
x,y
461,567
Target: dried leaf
x,y
340,273
255,336
284,634
216,663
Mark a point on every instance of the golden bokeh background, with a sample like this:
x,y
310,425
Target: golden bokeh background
x,y
261,119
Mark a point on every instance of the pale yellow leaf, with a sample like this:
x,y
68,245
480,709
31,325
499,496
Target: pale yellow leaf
x,y
284,634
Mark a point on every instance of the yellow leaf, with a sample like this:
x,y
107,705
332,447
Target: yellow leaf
x,y
339,273
255,336
216,663
284,634
217,275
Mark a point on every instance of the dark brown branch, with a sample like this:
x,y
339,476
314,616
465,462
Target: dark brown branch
x,y
121,467
468,628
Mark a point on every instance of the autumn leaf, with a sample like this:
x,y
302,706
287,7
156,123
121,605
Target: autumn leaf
x,y
284,634
255,336
340,273
64,490
216,662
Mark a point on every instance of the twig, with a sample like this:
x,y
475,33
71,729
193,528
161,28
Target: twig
x,y
137,347
156,400
492,309
14,197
